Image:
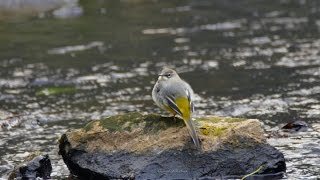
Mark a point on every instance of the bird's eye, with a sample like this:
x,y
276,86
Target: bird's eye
x,y
168,75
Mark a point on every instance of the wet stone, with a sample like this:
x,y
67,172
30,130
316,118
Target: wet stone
x,y
38,167
136,146
296,126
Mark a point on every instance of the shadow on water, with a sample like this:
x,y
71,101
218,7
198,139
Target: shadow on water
x,y
255,59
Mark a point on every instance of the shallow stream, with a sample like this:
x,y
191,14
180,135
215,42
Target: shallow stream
x,y
254,59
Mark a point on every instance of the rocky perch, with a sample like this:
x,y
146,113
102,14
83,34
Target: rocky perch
x,y
136,146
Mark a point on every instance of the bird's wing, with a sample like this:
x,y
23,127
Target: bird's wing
x,y
172,104
190,99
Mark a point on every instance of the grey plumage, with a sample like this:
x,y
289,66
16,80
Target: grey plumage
x,y
167,89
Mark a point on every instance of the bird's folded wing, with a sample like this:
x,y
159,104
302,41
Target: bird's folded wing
x,y
190,100
172,104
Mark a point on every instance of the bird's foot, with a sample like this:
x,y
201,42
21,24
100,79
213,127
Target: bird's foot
x,y
174,118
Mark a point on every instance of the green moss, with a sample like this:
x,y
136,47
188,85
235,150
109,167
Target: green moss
x,y
216,119
218,131
89,126
48,91
122,122
130,121
155,122
152,123
213,131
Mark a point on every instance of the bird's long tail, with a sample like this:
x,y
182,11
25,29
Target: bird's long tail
x,y
192,132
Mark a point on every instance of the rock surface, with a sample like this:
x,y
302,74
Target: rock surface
x,y
136,146
37,167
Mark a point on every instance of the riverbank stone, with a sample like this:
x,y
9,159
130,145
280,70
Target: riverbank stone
x,y
36,166
150,146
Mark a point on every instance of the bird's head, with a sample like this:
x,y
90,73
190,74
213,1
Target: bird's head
x,y
167,74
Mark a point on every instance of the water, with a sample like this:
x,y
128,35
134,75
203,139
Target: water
x,y
254,59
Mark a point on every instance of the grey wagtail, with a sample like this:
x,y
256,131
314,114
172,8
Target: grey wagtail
x,y
174,95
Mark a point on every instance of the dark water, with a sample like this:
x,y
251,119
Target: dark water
x,y
255,59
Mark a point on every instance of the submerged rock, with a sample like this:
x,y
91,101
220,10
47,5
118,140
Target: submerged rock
x,y
38,167
136,146
296,126
290,130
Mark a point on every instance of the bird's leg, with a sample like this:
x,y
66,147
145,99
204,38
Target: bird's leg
x,y
174,118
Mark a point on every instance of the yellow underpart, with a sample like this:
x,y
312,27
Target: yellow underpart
x,y
184,106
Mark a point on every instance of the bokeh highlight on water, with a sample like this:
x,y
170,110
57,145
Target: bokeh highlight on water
x,y
253,59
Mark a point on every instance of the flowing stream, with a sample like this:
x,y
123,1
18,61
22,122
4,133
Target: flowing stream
x,y
254,59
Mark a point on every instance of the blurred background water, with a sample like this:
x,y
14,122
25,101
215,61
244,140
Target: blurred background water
x,y
73,62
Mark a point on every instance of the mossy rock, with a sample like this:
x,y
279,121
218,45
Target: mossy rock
x,y
150,146
136,132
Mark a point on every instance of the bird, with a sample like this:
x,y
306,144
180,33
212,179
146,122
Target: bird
x,y
175,95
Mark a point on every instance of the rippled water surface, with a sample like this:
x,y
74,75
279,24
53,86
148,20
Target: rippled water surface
x,y
254,59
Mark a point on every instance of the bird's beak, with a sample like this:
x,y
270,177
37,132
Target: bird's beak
x,y
160,77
